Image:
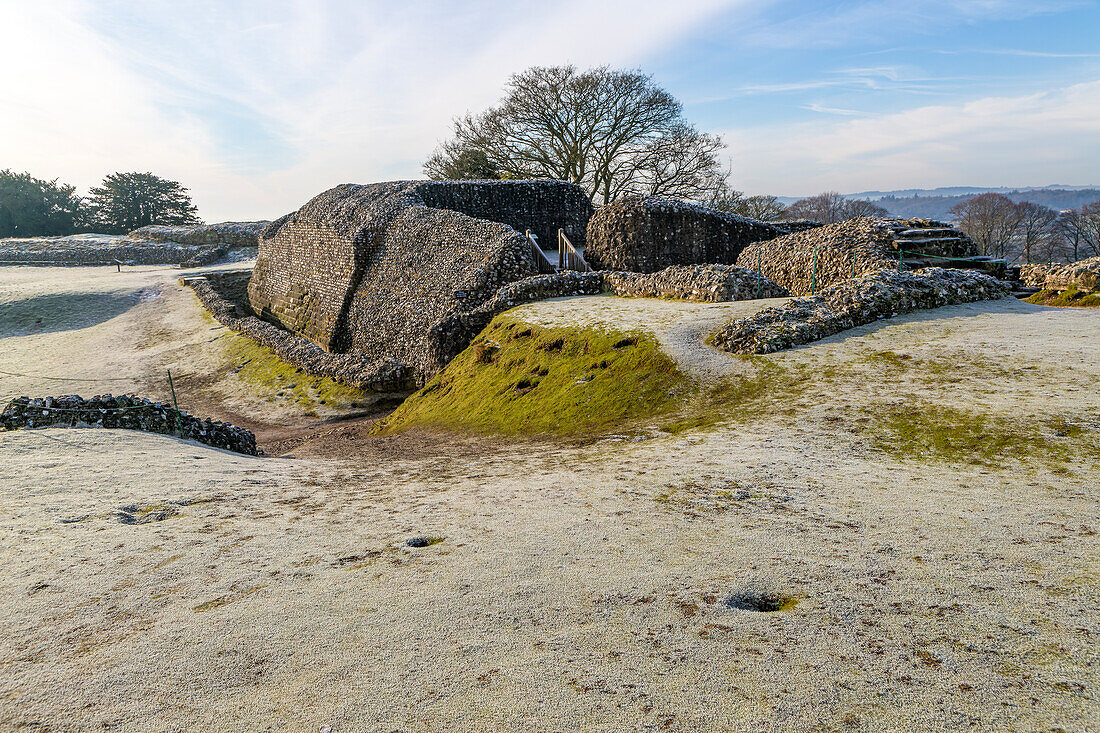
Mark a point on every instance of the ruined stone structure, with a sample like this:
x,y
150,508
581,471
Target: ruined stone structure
x,y
855,302
815,258
128,412
105,249
646,234
1083,275
385,270
229,233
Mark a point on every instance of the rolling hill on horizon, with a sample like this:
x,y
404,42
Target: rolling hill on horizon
x,y
936,203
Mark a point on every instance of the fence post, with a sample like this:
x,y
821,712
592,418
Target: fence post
x,y
175,405
813,274
759,275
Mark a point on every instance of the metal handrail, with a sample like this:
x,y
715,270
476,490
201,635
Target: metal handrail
x,y
542,264
568,256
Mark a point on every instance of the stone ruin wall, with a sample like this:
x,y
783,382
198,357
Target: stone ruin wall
x,y
429,265
541,206
1083,275
647,234
843,251
231,233
376,269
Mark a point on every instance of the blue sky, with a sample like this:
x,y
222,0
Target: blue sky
x,y
257,106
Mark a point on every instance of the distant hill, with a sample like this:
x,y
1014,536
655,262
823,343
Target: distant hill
x,y
938,207
935,203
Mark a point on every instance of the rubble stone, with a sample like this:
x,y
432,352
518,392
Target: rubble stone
x,y
105,249
128,412
228,233
1083,275
854,303
707,283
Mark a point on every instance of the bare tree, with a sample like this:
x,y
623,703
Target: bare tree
x,y
1090,227
862,207
1036,226
990,219
1072,232
830,207
612,132
760,207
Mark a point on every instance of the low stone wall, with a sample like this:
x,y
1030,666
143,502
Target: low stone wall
x,y
855,303
231,233
647,234
128,412
105,249
220,295
1083,275
1035,276
707,283
815,259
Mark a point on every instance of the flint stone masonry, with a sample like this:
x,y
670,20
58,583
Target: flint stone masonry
x,y
854,303
376,270
225,296
647,234
1083,275
221,294
124,411
105,249
231,233
707,283
1035,276
849,249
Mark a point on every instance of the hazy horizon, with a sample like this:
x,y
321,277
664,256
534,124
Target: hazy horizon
x,y
258,108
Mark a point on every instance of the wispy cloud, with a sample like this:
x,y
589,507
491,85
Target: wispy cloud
x,y
1027,139
259,107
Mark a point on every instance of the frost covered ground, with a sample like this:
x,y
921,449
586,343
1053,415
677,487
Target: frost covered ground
x,y
150,584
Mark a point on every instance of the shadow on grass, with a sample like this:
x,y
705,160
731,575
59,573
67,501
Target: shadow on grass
x,y
61,312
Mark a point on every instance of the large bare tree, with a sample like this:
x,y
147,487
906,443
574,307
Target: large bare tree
x,y
1090,227
831,207
1072,231
990,219
613,132
1036,226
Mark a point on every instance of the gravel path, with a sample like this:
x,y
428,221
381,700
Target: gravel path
x,y
681,327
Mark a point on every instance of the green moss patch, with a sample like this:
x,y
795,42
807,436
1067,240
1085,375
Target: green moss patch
x,y
943,433
1071,298
268,375
521,379
771,390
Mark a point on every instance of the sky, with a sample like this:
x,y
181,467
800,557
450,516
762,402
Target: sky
x,y
258,106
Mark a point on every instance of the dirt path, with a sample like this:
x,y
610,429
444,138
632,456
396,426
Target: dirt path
x,y
151,584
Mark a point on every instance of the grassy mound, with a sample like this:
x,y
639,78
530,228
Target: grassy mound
x,y
520,379
1072,298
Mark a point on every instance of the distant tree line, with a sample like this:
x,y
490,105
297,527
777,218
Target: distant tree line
x,y
34,207
1026,231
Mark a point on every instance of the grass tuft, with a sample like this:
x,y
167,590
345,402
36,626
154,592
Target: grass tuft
x,y
1071,298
